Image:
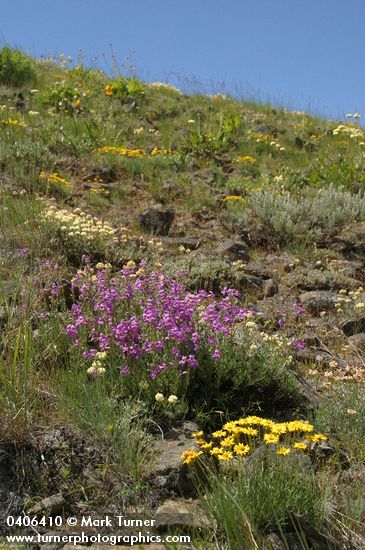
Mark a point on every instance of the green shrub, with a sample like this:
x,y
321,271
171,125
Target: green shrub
x,y
125,88
16,69
63,98
243,381
212,136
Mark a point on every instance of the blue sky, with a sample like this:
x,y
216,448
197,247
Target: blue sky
x,y
303,54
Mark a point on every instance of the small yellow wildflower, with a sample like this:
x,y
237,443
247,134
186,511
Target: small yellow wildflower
x,y
109,90
219,433
229,426
271,439
250,431
215,451
283,451
241,450
225,455
190,456
300,445
247,158
316,438
230,198
227,442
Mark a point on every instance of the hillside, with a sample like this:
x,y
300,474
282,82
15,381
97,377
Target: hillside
x,y
172,265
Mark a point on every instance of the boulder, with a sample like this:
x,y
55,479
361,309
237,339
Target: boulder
x,y
234,249
169,472
351,241
181,514
192,243
157,221
358,341
270,288
318,300
51,505
273,542
353,326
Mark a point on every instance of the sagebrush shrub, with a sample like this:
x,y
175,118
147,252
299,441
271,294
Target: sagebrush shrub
x,y
306,218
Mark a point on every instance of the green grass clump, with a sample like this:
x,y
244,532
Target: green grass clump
x,y
16,69
267,494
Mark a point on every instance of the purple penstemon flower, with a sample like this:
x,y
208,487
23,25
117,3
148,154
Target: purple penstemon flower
x,y
150,317
298,344
298,308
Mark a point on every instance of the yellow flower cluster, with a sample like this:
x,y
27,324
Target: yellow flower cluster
x,y
160,151
53,177
13,122
133,153
241,437
94,186
109,90
122,151
266,138
77,224
231,198
247,158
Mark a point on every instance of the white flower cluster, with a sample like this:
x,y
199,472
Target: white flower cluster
x,y
78,224
96,370
163,86
348,130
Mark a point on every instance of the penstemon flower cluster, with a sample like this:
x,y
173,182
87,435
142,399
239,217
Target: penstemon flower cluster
x,y
149,319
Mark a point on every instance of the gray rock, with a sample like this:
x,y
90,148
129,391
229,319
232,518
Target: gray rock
x,y
270,288
157,221
323,451
192,243
351,241
299,142
169,472
181,514
315,355
318,300
354,269
353,326
281,262
53,545
258,270
358,341
234,249
53,505
273,542
354,475
310,340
